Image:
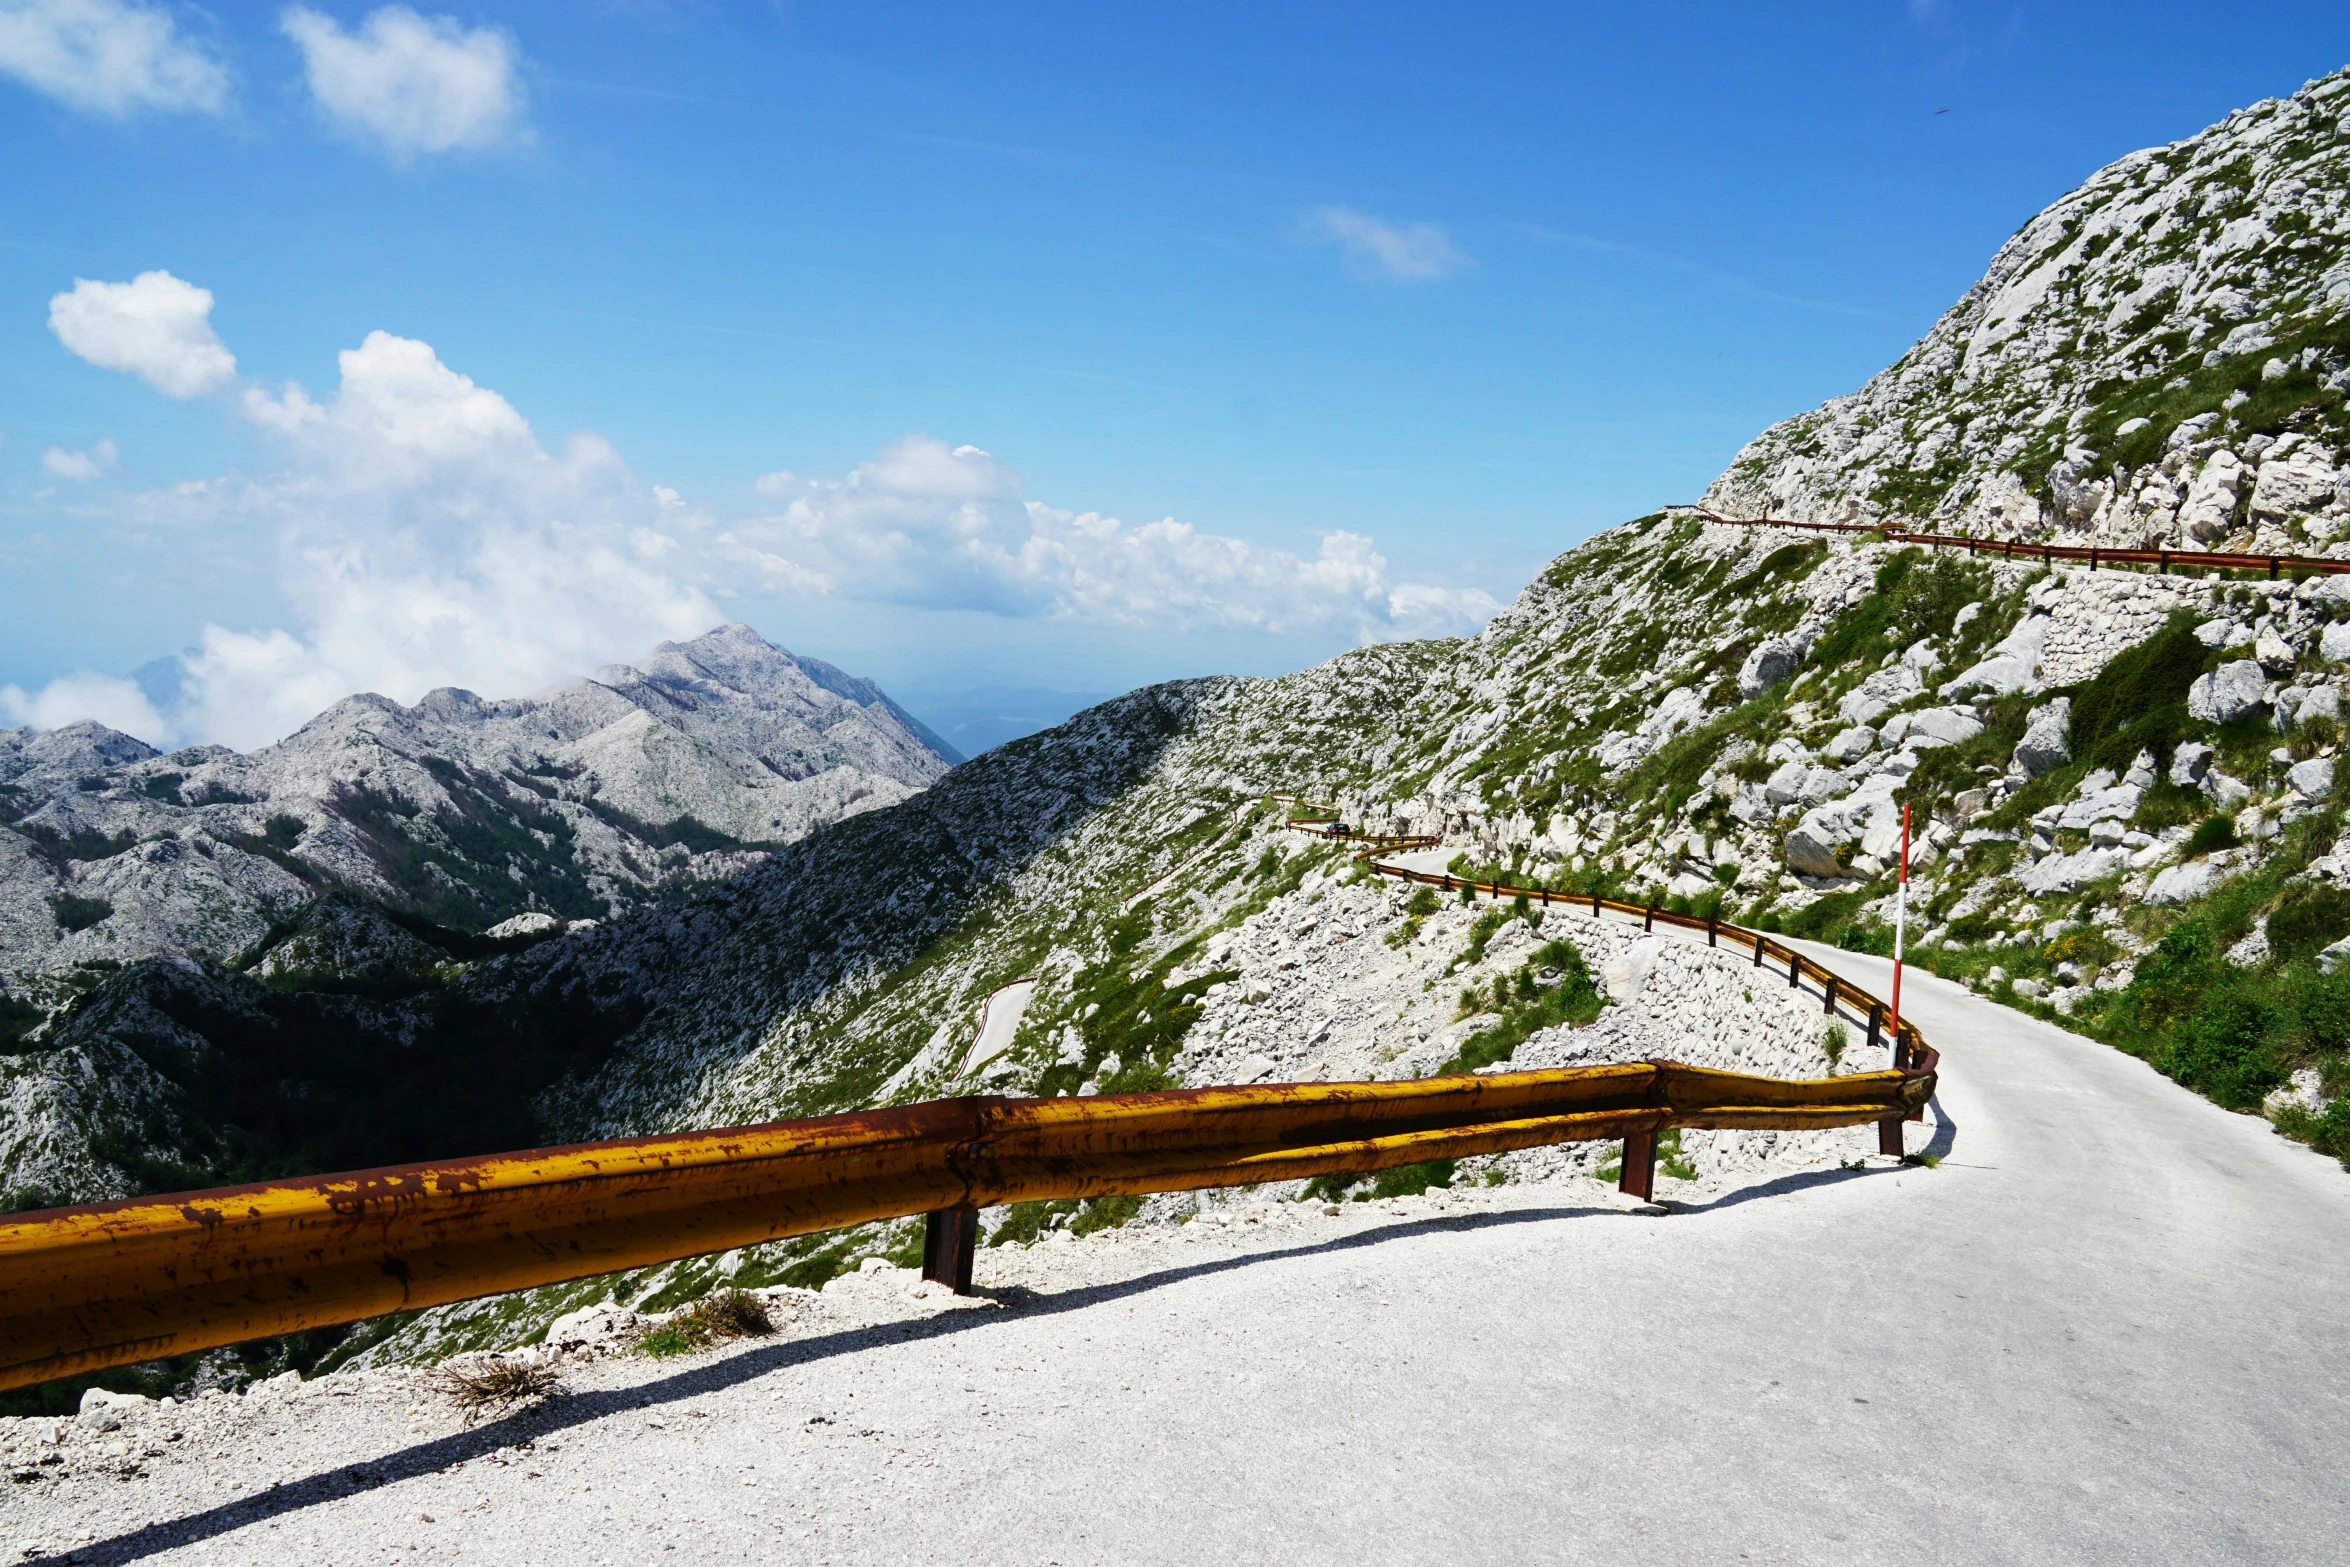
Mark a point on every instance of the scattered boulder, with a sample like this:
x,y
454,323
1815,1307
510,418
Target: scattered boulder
x,y
2189,762
103,1411
1624,976
2229,692
2178,884
2313,779
1880,691
1851,745
2014,665
2274,654
1931,727
2334,642
2065,872
1808,854
2047,743
2316,702
1771,663
2306,1090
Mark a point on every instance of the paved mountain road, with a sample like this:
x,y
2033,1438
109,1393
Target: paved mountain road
x,y
2108,1328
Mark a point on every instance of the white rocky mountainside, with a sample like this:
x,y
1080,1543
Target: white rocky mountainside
x,y
2157,359
464,811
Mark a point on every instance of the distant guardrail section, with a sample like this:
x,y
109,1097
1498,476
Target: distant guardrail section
x,y
2095,555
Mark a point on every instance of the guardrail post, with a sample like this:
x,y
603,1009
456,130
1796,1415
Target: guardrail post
x,y
1874,1014
1639,1168
1648,917
1758,949
1713,930
1595,905
950,1242
1794,969
1889,1137
1831,987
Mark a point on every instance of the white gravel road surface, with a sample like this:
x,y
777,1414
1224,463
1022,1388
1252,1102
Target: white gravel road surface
x,y
2107,1328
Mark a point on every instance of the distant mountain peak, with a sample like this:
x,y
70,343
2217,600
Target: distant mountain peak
x,y
685,767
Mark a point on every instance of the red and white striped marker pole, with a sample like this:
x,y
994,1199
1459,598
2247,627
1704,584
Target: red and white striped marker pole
x,y
1900,926
1889,1140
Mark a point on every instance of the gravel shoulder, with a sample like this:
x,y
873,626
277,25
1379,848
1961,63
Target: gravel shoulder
x,y
2103,1328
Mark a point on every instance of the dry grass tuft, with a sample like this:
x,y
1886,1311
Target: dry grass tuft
x,y
730,1313
494,1386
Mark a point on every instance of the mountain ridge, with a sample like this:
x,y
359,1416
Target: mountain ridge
x,y
470,811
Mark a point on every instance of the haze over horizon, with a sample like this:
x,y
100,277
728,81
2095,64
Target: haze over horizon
x,y
377,349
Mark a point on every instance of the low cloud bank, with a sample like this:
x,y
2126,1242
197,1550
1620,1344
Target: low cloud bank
x,y
425,536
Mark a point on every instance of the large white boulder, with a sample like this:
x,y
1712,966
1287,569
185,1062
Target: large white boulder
x,y
2178,884
2047,741
2064,872
2014,665
2294,485
2114,803
1624,975
1771,663
1896,683
1931,727
1811,854
2314,779
2228,692
2210,507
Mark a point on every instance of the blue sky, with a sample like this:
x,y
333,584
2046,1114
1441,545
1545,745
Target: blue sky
x,y
861,324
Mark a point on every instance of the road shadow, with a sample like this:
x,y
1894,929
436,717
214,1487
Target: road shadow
x,y
573,1410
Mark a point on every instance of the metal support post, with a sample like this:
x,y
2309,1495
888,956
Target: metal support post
x,y
950,1241
1713,931
1639,1174
1889,1137
1830,988
1875,1016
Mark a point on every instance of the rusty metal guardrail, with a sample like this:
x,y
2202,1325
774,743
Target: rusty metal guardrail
x,y
2095,555
143,1278
1910,1052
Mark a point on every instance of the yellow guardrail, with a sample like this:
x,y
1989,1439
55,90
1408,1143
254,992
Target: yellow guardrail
x,y
1835,990
115,1283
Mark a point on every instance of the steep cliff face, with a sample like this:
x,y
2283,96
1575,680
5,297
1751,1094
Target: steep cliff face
x,y
467,812
2160,357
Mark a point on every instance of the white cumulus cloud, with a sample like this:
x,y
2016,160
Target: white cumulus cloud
x,y
109,57
427,538
155,326
61,462
1391,252
929,527
423,536
413,84
69,699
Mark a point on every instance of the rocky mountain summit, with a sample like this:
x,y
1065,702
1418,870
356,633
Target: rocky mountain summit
x,y
461,811
2156,359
